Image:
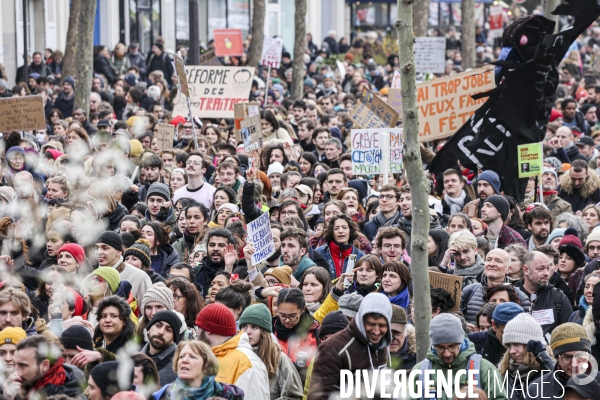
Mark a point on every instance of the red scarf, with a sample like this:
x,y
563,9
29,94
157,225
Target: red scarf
x,y
550,193
338,256
56,376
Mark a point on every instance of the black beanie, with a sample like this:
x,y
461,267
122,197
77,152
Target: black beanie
x,y
77,335
170,318
106,376
113,239
333,323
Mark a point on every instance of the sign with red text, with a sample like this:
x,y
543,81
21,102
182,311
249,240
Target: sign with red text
x,y
214,91
271,54
372,112
367,155
228,42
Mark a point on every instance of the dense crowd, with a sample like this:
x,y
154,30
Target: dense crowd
x,y
127,271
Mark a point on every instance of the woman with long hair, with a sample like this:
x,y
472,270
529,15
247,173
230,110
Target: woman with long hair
x,y
437,244
196,216
364,279
223,195
315,285
350,197
591,215
585,301
340,234
284,380
162,255
53,278
307,161
221,280
186,299
272,130
395,283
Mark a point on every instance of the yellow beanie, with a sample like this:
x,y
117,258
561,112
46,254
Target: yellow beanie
x,y
136,148
12,335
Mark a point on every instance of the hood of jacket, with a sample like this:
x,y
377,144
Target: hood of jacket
x,y
239,340
305,264
590,327
377,303
591,185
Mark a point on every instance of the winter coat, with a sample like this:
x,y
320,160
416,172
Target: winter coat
x,y
325,251
557,206
114,218
514,388
139,61
506,237
286,383
65,104
589,193
567,154
73,386
406,358
119,65
592,332
251,211
280,136
471,299
446,207
473,209
169,258
472,274
552,383
102,66
163,63
205,272
218,391
379,221
561,285
488,345
303,340
550,298
163,362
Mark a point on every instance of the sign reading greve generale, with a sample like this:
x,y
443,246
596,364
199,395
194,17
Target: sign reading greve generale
x,y
214,91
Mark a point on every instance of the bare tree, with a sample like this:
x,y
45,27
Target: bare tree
x,y
420,17
258,32
299,49
419,187
468,33
70,58
85,56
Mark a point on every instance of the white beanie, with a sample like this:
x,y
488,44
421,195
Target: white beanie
x,y
521,329
275,168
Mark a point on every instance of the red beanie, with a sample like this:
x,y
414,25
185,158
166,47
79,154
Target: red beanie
x,y
178,120
78,300
218,319
571,238
75,250
554,114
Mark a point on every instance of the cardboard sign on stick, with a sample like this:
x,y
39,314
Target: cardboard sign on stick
x,y
372,112
450,283
241,111
260,235
430,54
165,135
180,68
228,42
22,113
251,132
271,53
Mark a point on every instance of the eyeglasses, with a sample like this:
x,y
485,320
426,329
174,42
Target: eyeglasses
x,y
286,213
196,163
176,298
442,349
568,358
593,248
397,334
284,317
397,247
272,282
388,196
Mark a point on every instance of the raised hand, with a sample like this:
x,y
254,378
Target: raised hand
x,y
230,257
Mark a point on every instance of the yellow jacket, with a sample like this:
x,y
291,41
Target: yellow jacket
x,y
329,305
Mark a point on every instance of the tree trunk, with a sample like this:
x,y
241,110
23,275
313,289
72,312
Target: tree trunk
x,y
416,178
85,57
468,33
258,32
299,50
70,58
420,17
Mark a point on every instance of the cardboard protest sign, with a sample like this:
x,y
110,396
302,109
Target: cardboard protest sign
x,y
228,42
341,68
531,160
396,80
430,54
495,20
180,68
395,101
165,135
214,91
367,151
241,111
22,113
372,112
251,133
260,235
450,283
271,53
209,58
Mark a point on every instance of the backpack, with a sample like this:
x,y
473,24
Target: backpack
x,y
473,364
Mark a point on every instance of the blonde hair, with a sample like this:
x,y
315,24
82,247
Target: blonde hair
x,y
56,216
211,364
462,239
18,298
529,361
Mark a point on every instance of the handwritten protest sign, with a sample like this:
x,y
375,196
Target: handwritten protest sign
x,y
251,133
450,283
531,160
395,101
22,113
367,145
165,134
241,111
209,58
271,54
228,42
430,54
260,235
180,68
214,91
372,112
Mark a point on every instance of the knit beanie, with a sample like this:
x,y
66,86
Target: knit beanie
x,y
171,318
113,239
569,337
350,303
571,245
141,250
593,237
492,178
218,319
500,203
505,312
159,293
275,168
69,79
333,323
552,171
258,315
111,377
159,189
75,250
136,148
557,232
398,315
521,329
283,274
76,335
12,335
110,276
446,328
78,302
571,237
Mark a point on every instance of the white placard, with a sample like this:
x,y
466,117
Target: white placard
x,y
341,68
260,235
368,149
271,52
430,54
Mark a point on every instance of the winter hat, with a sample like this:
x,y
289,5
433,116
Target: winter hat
x,y
78,302
218,319
279,88
258,315
594,236
234,209
113,377
350,303
76,335
69,79
14,151
521,329
500,203
130,79
571,237
171,318
555,162
553,171
333,323
275,168
505,312
571,245
54,153
283,274
141,250
75,250
492,178
12,335
113,239
159,293
569,337
398,315
558,232
554,115
110,276
136,148
446,328
309,82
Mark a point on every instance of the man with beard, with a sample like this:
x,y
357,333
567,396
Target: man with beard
x,y
221,255
294,246
196,188
39,372
555,204
163,335
580,187
488,183
151,166
305,130
539,222
389,212
494,212
319,137
66,98
80,115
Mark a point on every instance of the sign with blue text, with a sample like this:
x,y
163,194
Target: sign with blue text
x,y
367,151
260,235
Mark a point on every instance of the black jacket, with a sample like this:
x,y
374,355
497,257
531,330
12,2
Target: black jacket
x,y
487,344
162,63
102,66
205,272
64,105
115,217
561,285
550,298
553,384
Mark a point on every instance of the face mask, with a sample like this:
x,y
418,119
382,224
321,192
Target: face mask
x,y
41,138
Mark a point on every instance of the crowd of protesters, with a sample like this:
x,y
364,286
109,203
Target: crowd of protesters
x,y
127,274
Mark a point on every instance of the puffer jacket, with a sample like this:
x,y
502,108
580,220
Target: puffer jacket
x,y
471,274
115,217
487,344
589,193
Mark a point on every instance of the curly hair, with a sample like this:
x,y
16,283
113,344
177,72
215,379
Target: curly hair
x,y
329,236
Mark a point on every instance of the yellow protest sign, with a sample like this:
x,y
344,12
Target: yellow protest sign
x,y
531,160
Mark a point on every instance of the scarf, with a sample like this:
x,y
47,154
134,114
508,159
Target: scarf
x,y
473,270
583,303
312,307
456,205
386,222
549,192
339,253
364,290
56,376
302,327
402,299
180,390
236,186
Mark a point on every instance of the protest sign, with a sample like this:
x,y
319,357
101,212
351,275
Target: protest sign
x,y
241,111
495,20
214,91
341,68
180,68
260,235
271,53
165,135
22,113
372,112
531,160
209,58
367,155
396,80
251,133
395,101
228,42
450,283
430,54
